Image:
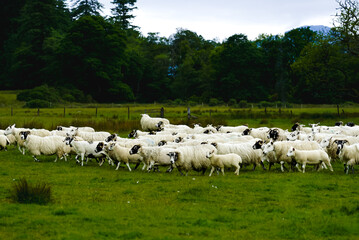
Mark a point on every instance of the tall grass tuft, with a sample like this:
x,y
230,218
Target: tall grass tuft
x,y
23,192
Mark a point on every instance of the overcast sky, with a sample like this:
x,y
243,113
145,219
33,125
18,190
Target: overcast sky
x,y
214,19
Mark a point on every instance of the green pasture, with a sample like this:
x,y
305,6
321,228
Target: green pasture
x,y
93,202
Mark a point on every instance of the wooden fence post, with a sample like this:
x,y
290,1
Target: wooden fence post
x,y
162,112
338,110
38,112
96,111
64,111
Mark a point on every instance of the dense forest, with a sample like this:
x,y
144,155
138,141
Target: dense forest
x,y
57,52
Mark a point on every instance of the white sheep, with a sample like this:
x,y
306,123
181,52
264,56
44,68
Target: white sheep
x,y
281,148
68,129
85,149
330,144
244,150
349,154
229,129
153,156
121,155
191,158
152,124
312,157
90,136
222,161
48,145
4,142
257,133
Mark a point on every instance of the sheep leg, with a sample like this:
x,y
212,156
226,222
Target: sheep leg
x,y
282,166
345,167
212,169
144,166
254,166
170,169
237,170
262,164
23,151
55,159
303,166
222,169
137,164
270,165
35,159
82,159
128,165
100,163
297,165
118,165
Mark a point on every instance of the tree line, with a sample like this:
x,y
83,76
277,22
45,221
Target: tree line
x,y
57,52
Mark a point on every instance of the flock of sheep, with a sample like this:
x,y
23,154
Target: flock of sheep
x,y
161,143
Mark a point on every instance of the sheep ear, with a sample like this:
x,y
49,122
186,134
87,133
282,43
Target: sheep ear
x,y
293,149
336,141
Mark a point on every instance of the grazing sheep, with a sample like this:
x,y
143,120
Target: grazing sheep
x,y
349,154
222,161
48,145
313,157
152,124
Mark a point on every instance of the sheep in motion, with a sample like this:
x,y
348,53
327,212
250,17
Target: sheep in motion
x,y
312,157
222,161
153,124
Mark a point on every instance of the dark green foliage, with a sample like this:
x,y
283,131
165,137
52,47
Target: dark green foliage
x,y
87,57
23,192
37,103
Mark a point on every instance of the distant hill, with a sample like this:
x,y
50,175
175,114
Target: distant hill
x,y
319,28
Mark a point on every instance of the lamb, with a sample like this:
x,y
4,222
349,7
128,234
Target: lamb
x,y
244,150
281,148
300,127
48,145
349,154
296,135
222,161
85,148
313,157
120,154
4,141
137,133
153,124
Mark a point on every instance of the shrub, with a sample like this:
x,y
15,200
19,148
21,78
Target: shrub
x,y
37,103
213,102
243,104
232,102
23,192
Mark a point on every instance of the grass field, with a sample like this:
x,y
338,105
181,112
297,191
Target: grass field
x,y
93,202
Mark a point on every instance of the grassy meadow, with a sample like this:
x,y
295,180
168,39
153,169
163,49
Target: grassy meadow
x,y
93,202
